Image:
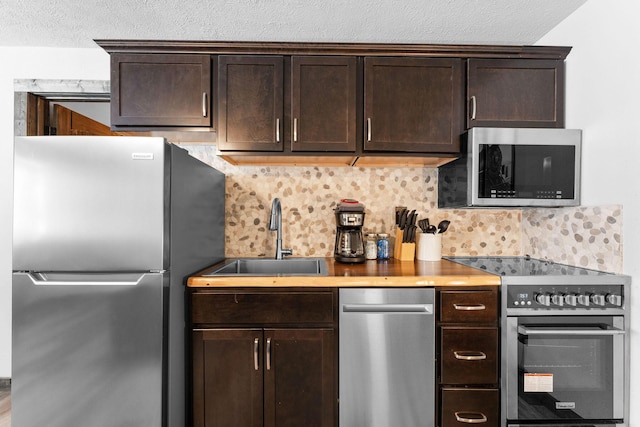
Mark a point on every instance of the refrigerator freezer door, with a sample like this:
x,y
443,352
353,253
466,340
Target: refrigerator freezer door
x,y
87,350
86,203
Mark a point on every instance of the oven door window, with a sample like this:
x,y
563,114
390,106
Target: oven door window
x,y
569,370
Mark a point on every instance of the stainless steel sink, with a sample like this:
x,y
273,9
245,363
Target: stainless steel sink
x,y
271,267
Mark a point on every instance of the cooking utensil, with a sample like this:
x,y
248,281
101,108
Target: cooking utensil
x,y
443,225
424,224
432,229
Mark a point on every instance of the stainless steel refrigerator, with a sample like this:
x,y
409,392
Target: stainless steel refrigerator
x,y
106,230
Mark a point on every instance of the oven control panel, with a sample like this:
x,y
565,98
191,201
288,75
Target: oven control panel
x,y
565,297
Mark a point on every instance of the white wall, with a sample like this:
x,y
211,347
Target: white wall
x,y
26,63
603,87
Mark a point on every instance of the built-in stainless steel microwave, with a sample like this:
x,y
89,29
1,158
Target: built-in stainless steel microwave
x,y
511,167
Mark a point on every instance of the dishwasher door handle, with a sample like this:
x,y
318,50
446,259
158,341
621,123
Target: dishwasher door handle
x,y
388,308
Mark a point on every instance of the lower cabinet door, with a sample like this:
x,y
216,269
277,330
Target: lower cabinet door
x,y
461,407
227,378
299,371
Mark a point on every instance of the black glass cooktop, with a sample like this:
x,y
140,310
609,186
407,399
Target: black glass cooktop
x,y
524,266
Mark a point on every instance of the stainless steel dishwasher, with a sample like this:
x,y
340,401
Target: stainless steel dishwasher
x,y
387,368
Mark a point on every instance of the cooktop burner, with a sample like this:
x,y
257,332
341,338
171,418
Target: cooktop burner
x,y
524,266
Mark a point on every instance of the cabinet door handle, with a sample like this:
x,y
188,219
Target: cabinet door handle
x,y
256,353
469,307
295,130
469,355
473,107
204,104
369,129
268,354
277,130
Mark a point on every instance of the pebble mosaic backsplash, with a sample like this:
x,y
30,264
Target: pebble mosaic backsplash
x,y
588,237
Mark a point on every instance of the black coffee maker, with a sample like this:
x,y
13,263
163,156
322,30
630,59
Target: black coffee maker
x,y
349,240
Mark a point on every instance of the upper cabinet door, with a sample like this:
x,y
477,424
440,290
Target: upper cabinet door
x,y
515,93
160,90
413,104
250,103
323,103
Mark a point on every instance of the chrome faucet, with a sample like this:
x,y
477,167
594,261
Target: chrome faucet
x,y
275,224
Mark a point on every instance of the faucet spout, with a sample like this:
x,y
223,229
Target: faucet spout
x,y
275,224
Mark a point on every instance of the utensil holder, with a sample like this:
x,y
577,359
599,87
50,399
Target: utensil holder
x,y
429,247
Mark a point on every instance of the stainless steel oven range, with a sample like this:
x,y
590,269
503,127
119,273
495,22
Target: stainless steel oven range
x,y
564,343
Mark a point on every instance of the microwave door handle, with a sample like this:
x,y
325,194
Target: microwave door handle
x,y
524,330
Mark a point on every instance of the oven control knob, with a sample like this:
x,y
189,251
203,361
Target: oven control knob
x,y
571,299
614,299
543,299
557,299
583,300
597,299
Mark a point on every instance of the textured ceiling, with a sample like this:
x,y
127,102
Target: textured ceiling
x,y
66,23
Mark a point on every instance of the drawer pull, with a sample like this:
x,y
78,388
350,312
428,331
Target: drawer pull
x,y
268,354
471,417
256,349
469,307
469,355
277,130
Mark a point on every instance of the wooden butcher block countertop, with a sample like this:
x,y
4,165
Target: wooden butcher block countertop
x,y
390,273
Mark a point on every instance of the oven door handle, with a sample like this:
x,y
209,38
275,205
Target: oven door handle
x,y
527,330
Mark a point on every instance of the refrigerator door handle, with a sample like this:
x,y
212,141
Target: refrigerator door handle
x,y
47,279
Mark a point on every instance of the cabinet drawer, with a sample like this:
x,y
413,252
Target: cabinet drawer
x,y
461,407
469,306
241,308
469,355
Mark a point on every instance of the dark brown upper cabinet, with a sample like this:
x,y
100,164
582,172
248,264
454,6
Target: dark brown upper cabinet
x,y
250,103
160,90
413,104
323,103
515,93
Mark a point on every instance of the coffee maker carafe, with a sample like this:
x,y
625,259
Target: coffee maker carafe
x,y
349,240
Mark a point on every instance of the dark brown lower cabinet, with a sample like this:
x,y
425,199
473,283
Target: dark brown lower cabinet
x,y
263,377
264,357
467,351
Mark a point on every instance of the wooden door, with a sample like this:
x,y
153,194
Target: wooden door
x,y
160,90
299,378
515,93
228,378
323,116
250,103
413,104
69,122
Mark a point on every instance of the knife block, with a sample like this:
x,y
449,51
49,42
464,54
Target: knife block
x,y
403,251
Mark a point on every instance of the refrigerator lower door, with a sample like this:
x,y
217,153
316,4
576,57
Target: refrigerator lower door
x,y
87,350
